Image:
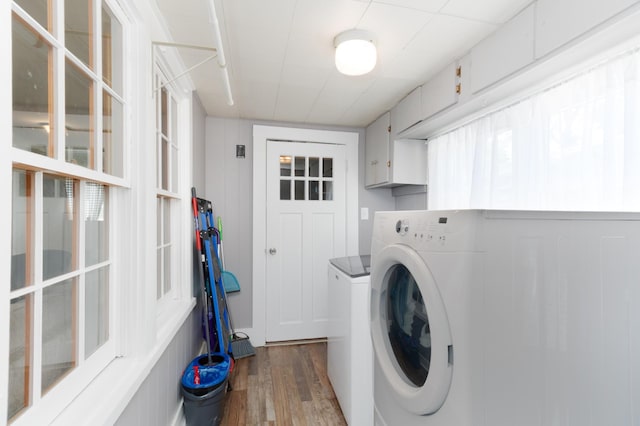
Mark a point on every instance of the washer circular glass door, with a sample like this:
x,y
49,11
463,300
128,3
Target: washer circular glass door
x,y
410,330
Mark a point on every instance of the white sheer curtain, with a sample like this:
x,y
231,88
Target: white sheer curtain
x,y
575,146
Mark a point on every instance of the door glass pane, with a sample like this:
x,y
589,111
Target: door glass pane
x,y
20,354
327,190
77,31
285,189
95,222
314,167
408,325
299,189
96,310
58,331
78,118
327,167
59,209
32,95
314,190
37,9
285,165
299,166
112,135
22,230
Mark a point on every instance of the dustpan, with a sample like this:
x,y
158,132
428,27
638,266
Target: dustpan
x,y
230,282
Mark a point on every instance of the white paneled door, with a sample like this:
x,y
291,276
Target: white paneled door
x,y
306,226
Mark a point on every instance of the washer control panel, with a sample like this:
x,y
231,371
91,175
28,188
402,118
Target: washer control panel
x,y
423,233
442,230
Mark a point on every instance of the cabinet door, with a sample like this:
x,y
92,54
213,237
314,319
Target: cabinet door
x,y
439,93
409,162
504,52
558,22
406,113
377,151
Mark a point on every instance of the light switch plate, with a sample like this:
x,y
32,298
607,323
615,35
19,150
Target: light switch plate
x,y
364,213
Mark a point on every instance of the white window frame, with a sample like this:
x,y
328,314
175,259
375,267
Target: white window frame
x,y
178,190
44,408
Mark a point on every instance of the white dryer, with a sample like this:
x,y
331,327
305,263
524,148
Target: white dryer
x,y
491,318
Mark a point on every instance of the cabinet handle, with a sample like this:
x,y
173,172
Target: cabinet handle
x,y
458,88
389,163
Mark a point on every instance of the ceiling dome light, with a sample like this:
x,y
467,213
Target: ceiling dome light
x,y
355,52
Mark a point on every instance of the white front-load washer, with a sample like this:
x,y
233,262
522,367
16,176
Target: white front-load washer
x,y
492,318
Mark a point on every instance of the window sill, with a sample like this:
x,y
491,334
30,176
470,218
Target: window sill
x,y
119,382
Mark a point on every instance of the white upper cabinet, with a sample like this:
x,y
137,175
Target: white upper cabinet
x,y
406,113
559,22
393,162
441,91
504,52
377,151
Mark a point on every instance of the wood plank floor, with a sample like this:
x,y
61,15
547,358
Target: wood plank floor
x,y
283,385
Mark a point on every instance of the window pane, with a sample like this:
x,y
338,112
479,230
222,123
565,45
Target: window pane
x,y
327,167
96,226
299,166
58,331
159,274
166,221
174,121
327,190
96,310
314,190
314,167
78,118
167,269
20,354
22,230
37,9
77,31
159,202
285,189
165,163
32,95
59,218
111,50
285,165
164,112
174,169
112,136
299,189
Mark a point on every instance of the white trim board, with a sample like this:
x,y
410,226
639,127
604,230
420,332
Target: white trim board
x,y
260,136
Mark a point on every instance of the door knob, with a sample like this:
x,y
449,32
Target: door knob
x,y
272,251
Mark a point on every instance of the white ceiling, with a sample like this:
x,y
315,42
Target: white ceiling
x,y
280,52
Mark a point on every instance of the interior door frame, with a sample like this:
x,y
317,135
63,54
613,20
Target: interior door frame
x,y
261,134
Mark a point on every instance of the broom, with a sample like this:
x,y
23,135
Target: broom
x,y
241,346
